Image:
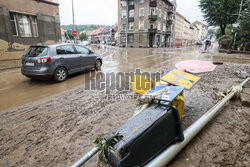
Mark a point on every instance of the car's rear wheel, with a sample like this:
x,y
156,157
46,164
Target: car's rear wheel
x,y
98,65
60,74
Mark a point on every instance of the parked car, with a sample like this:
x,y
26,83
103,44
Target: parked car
x,y
58,61
85,43
113,43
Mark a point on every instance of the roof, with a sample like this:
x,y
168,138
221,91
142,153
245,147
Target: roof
x,y
100,30
106,30
198,23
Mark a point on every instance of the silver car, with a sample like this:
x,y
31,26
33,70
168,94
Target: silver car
x,y
58,61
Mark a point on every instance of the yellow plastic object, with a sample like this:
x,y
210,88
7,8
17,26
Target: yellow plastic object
x,y
179,102
180,78
141,84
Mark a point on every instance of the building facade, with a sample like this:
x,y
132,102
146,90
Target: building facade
x,y
203,33
187,34
27,22
145,23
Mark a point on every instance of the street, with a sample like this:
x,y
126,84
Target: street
x,y
22,90
54,124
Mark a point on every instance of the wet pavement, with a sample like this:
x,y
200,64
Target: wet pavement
x,y
16,89
59,129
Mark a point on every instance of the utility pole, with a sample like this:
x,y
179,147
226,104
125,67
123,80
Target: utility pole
x,y
73,19
235,35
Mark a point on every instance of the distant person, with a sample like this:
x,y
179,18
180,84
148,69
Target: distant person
x,y
157,43
207,44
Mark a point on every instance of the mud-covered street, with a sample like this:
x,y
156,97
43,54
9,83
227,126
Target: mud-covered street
x,y
47,124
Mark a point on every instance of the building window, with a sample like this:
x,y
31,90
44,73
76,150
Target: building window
x,y
141,25
141,12
123,39
159,12
131,38
124,27
13,24
124,3
26,27
164,27
152,11
165,15
163,38
159,26
131,25
124,14
141,1
131,2
34,26
131,13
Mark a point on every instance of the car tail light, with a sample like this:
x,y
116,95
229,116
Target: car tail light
x,y
44,60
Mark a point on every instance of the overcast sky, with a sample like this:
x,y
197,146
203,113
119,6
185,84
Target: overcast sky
x,y
104,12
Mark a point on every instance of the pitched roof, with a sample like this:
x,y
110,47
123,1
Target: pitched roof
x,y
198,22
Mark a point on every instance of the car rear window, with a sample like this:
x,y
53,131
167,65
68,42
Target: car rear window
x,y
35,51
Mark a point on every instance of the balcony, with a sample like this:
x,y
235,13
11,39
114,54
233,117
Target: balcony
x,y
169,21
170,11
152,30
131,19
153,17
168,32
152,3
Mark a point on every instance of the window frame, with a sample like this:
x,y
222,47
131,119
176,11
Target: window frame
x,y
124,29
141,23
141,9
131,12
75,51
15,22
75,46
131,23
124,14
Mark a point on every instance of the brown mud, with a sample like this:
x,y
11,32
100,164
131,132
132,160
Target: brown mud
x,y
60,129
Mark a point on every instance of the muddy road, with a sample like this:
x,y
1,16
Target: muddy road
x,y
56,124
16,89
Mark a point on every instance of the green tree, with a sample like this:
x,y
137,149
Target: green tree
x,y
221,12
83,36
68,35
243,31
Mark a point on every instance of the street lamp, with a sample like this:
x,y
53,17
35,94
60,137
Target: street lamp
x,y
73,19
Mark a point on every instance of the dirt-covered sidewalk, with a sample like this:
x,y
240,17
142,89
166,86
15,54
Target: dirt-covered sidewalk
x,y
59,130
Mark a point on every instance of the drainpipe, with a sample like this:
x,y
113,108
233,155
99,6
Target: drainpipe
x,y
166,156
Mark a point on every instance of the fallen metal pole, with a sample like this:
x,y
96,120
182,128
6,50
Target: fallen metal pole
x,y
166,156
86,157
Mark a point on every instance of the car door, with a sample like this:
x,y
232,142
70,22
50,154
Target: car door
x,y
68,57
86,56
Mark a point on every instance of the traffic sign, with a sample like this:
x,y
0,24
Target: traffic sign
x,y
74,33
195,66
180,78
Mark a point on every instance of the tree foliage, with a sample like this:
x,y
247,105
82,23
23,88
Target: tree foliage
x,y
243,31
87,27
83,36
221,12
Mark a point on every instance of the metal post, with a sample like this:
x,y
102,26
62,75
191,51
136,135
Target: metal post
x,y
86,157
235,35
73,19
166,156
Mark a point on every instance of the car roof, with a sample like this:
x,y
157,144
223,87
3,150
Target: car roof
x,y
52,45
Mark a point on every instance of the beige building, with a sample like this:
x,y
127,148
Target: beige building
x,y
203,33
186,34
145,23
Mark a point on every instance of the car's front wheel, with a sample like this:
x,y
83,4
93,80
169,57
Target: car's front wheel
x,y
98,65
60,74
